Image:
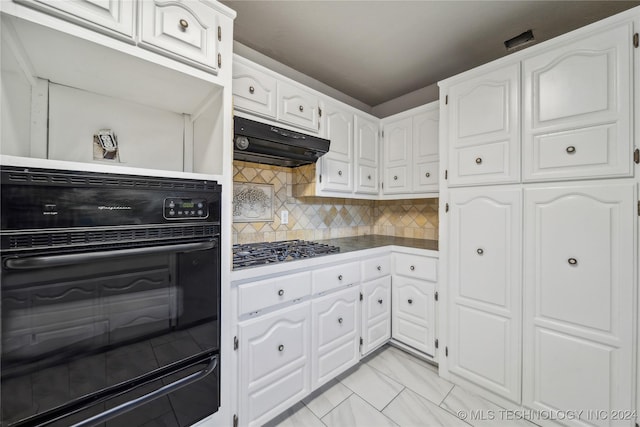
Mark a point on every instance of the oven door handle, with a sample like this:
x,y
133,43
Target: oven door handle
x,y
136,403
60,260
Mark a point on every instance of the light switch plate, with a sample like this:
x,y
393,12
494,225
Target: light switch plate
x,y
284,217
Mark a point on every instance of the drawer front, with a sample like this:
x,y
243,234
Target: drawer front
x,y
334,277
367,179
253,91
396,180
416,266
426,178
187,30
375,268
298,107
337,175
266,293
481,164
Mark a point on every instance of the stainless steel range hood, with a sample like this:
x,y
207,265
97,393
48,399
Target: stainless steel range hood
x,y
271,145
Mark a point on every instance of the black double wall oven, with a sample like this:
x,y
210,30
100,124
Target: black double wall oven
x,y
110,294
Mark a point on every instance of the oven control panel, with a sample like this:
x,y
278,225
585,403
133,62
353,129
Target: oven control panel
x,y
179,208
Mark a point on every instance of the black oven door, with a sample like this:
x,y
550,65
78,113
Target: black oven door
x,y
122,337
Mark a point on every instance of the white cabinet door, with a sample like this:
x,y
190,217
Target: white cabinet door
x,y
579,298
337,164
274,356
366,156
376,313
413,313
484,131
398,142
336,338
425,151
186,29
253,91
113,15
578,109
298,107
484,270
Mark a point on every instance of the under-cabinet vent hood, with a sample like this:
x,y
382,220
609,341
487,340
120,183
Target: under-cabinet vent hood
x,y
271,145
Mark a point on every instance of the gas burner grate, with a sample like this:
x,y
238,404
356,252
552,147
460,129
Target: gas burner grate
x,y
255,254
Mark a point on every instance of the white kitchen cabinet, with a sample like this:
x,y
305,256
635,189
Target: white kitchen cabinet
x,y
115,16
335,321
275,363
298,107
367,158
398,143
257,296
253,90
578,108
484,128
337,164
425,150
334,277
579,297
376,313
185,29
484,289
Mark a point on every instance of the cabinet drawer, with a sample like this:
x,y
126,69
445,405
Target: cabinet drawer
x,y
298,107
367,179
333,277
426,178
265,293
396,180
337,175
185,29
253,91
376,267
483,163
417,266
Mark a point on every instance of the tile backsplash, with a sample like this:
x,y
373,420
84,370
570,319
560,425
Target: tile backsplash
x,y
314,218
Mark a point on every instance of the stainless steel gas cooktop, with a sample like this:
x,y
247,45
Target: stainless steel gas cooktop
x,y
255,254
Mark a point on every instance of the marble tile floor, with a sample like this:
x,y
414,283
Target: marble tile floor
x,y
392,388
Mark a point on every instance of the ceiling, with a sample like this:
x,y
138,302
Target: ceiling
x,y
376,51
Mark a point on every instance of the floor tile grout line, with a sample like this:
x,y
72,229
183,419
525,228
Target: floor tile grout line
x,y
447,395
404,387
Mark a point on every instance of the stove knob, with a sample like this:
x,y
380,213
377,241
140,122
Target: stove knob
x,y
172,212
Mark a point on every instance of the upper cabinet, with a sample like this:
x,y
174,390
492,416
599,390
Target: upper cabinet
x,y
484,131
398,141
253,91
425,150
367,156
298,107
337,164
577,108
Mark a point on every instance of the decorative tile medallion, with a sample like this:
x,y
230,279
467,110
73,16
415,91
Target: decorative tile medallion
x,y
252,202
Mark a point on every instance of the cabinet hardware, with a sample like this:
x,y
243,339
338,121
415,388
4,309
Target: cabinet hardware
x,y
320,178
446,100
383,134
340,320
382,185
251,89
446,207
410,301
219,33
361,296
380,301
235,343
479,161
571,149
379,268
573,261
219,61
301,108
435,296
413,267
436,343
339,173
369,177
427,174
636,156
446,173
184,24
638,208
636,40
281,292
480,251
395,177
319,112
340,277
235,420
280,347
361,341
446,351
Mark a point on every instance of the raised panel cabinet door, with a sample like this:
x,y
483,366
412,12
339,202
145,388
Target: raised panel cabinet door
x,y
397,161
186,29
274,362
335,334
425,151
337,164
484,272
112,15
579,299
253,91
484,128
298,107
376,313
336,175
413,313
366,155
578,109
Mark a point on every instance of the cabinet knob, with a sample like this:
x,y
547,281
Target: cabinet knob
x,y
280,347
339,173
281,292
340,277
410,301
412,268
395,177
573,261
251,89
184,24
427,174
340,320
480,251
380,301
571,149
301,108
479,161
379,268
369,177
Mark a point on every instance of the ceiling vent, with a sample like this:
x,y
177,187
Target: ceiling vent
x,y
519,41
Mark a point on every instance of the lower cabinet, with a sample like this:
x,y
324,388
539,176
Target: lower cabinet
x,y
274,362
414,313
335,321
376,313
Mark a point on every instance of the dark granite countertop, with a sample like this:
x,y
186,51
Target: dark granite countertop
x,y
349,244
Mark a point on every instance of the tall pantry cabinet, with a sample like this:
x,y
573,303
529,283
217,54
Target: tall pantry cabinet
x,y
538,230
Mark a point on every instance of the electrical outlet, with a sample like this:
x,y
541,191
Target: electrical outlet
x,y
284,217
